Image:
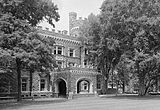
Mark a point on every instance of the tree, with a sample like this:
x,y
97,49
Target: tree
x,y
32,11
104,52
7,75
19,39
124,71
135,24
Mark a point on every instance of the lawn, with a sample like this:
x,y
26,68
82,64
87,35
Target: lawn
x,y
109,102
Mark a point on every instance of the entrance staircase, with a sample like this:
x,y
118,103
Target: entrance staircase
x,y
83,95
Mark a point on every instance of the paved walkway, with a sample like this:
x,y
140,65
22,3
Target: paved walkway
x,y
97,103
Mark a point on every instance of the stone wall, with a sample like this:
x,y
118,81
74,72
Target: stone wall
x,y
73,75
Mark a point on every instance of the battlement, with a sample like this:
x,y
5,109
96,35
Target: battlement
x,y
74,24
64,32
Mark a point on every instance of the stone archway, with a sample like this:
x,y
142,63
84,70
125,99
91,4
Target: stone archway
x,y
61,88
84,86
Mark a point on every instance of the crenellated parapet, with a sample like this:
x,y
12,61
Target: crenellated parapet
x,y
60,37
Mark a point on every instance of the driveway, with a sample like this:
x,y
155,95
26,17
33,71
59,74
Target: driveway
x,y
98,103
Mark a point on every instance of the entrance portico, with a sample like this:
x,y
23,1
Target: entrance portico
x,y
75,80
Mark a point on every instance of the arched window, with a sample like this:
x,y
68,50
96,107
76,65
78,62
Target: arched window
x,y
84,85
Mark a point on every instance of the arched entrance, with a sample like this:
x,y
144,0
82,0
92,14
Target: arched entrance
x,y
83,86
61,88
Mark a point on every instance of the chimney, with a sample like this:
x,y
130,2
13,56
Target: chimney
x,y
64,32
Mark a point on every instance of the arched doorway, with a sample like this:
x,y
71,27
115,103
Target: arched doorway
x,y
83,86
61,88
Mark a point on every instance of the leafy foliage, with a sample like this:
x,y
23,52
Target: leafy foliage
x,y
20,41
32,11
129,29
135,24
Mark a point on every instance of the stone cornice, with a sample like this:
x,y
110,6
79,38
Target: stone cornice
x,y
65,40
84,72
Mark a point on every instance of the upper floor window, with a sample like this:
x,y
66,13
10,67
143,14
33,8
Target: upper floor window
x,y
71,52
54,50
58,50
24,84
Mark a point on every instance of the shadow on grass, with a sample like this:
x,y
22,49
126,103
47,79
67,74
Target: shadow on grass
x,y
131,97
18,105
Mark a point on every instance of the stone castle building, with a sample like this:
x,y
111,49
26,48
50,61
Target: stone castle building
x,y
75,76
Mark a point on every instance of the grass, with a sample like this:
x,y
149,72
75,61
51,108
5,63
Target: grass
x,y
132,97
14,104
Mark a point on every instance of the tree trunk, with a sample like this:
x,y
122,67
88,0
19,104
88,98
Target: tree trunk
x,y
142,88
104,86
123,87
31,80
141,77
156,84
18,62
112,78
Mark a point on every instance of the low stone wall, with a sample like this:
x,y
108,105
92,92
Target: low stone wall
x,y
37,94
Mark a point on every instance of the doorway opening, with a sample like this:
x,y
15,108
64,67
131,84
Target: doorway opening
x,y
61,88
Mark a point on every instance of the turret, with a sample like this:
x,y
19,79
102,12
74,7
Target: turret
x,y
72,20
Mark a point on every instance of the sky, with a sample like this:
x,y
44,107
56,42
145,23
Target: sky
x,y
82,7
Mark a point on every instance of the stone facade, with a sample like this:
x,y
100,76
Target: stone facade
x,y
73,77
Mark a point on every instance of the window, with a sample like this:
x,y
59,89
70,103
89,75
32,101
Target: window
x,y
71,52
85,62
71,64
99,79
98,85
59,51
24,84
42,84
60,64
54,50
84,85
86,51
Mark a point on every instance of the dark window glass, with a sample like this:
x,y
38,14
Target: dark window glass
x,y
42,85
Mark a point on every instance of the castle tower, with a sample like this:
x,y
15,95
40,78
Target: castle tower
x,y
74,24
72,20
